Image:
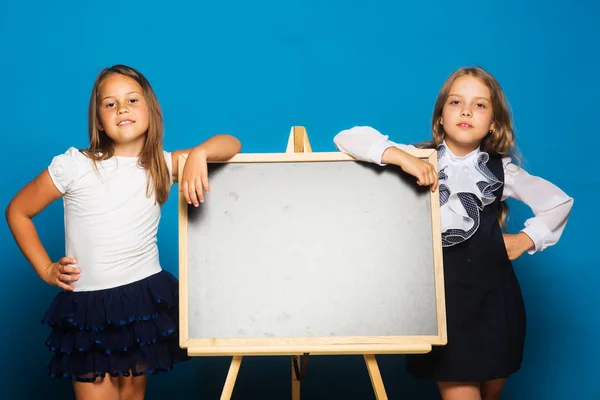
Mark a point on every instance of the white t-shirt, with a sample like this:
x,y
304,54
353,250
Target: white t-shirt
x,y
110,223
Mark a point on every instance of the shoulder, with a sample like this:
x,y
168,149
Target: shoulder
x,y
510,168
67,167
71,153
168,155
68,159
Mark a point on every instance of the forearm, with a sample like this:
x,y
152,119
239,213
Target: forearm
x,y
393,155
26,237
367,144
219,147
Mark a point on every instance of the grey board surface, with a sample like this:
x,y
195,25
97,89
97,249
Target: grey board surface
x,y
305,249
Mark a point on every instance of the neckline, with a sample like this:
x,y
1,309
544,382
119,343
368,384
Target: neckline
x,y
454,157
126,157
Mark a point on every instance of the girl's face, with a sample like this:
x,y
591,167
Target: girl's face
x,y
467,116
123,114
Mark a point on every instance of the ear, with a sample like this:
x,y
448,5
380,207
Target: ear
x,y
100,127
441,120
493,126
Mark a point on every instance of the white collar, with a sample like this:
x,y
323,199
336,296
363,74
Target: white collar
x,y
453,157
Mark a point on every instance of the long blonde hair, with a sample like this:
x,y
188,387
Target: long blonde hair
x,y
499,142
152,159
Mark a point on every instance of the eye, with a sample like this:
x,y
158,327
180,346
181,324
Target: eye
x,y
133,100
480,105
454,102
109,105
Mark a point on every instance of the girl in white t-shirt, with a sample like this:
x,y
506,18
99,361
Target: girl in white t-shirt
x,y
115,322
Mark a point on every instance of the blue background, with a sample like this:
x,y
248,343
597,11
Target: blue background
x,y
256,68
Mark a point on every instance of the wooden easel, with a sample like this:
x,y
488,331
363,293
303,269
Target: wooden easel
x,y
298,143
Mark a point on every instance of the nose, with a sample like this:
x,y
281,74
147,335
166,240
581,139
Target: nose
x,y
465,112
122,109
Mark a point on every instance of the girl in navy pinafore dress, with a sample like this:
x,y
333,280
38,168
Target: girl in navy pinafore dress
x,y
485,314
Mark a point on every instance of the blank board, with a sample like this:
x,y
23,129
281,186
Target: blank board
x,y
310,253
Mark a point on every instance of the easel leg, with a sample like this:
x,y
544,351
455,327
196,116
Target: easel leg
x,y
375,376
295,384
234,368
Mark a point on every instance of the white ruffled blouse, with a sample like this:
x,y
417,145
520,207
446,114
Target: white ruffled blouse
x,y
466,186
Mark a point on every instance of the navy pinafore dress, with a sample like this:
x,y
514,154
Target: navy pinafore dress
x,y
484,306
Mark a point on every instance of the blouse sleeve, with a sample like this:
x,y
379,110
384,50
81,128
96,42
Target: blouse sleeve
x,y
550,205
365,143
64,169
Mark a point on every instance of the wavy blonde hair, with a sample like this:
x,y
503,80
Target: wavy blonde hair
x,y
501,141
101,147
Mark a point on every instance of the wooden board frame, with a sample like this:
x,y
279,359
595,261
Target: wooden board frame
x,y
313,345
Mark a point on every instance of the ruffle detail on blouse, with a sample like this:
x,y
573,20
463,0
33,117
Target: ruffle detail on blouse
x,y
466,186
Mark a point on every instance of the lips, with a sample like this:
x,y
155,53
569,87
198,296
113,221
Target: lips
x,y
126,122
464,125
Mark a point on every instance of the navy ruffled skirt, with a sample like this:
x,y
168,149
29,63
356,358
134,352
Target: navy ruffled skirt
x,y
126,330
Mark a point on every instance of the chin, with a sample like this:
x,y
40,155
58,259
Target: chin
x,y
464,144
464,139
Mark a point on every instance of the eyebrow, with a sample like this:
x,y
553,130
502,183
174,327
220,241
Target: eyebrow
x,y
135,91
480,98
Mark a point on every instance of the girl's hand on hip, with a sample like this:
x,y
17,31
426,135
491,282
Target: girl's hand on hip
x,y
62,273
517,244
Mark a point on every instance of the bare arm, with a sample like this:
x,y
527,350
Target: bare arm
x,y
424,172
195,174
217,148
29,202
